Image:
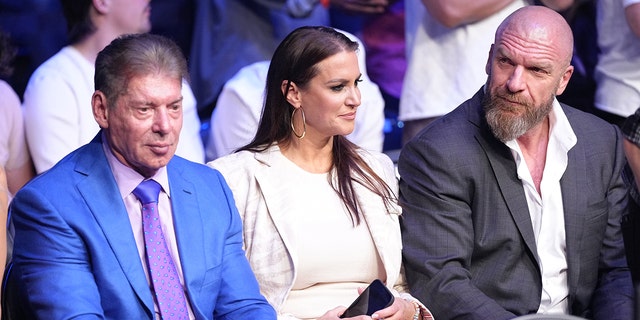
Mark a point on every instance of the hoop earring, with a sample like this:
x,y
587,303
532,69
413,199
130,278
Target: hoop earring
x,y
304,124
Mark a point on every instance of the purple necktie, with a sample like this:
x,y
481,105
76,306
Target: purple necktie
x,y
164,277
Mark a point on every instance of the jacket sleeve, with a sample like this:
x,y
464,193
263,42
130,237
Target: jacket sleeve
x,y
53,262
613,297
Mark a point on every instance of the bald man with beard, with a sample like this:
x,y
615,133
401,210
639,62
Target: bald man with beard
x,y
513,201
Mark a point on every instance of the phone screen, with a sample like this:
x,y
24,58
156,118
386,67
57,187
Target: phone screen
x,y
375,297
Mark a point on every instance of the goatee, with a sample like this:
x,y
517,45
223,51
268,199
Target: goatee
x,y
509,122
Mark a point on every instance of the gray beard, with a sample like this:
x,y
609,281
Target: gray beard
x,y
505,125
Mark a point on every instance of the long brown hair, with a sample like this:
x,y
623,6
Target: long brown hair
x,y
296,60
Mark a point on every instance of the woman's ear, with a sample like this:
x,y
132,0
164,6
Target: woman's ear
x,y
291,92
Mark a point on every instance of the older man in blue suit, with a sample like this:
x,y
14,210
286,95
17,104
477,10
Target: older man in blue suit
x,y
513,202
82,246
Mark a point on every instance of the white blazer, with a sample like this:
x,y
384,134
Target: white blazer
x,y
262,204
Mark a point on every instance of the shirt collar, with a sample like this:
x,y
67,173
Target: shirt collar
x,y
560,130
128,179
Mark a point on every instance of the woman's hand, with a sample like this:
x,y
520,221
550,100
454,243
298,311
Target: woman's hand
x,y
401,309
334,314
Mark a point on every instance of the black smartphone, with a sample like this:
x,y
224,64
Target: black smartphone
x,y
375,297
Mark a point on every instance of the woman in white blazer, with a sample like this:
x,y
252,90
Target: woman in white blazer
x,y
320,214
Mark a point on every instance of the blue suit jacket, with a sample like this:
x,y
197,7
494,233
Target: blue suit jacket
x,y
469,246
75,254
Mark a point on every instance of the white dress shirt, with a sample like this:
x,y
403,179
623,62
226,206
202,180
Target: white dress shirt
x,y
547,212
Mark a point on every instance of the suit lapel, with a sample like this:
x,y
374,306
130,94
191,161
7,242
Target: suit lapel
x,y
275,197
102,196
381,224
188,224
503,167
510,186
574,204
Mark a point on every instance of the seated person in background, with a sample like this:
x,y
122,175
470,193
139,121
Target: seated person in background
x,y
57,107
14,153
230,34
320,214
631,143
445,41
513,202
234,120
15,160
617,72
83,245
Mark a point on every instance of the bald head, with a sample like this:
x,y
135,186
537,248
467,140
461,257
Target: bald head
x,y
540,27
529,65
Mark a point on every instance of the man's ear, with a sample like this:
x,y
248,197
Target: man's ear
x,y
100,109
564,80
487,67
101,6
291,92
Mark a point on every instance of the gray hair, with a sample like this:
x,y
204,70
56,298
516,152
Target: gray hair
x,y
136,55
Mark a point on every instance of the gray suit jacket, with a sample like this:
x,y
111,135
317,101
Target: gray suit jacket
x,y
469,247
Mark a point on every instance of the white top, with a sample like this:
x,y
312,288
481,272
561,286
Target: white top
x,y
334,257
617,73
445,66
59,117
263,201
13,145
235,118
547,212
